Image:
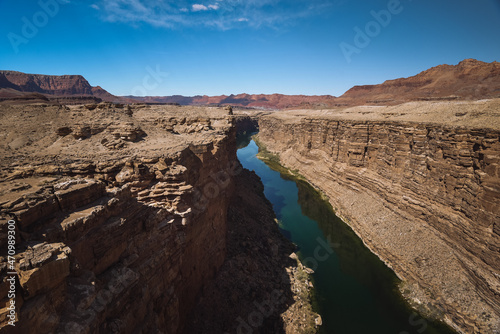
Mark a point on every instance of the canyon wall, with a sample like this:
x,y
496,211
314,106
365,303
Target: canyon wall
x,y
421,189
115,233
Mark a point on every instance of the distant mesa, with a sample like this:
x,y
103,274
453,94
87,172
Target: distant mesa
x,y
469,80
18,86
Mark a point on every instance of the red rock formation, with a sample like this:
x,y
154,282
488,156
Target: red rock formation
x,y
470,79
266,101
424,196
59,86
48,84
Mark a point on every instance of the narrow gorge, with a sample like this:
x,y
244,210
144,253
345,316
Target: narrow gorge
x,y
141,219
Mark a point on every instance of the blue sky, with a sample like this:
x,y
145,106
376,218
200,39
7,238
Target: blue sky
x,y
214,47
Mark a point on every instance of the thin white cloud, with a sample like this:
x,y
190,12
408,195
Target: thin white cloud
x,y
220,14
96,7
198,7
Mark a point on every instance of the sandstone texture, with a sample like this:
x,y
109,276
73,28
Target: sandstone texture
x,y
119,221
49,84
122,219
420,184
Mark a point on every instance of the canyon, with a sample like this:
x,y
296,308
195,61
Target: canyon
x,y
133,216
420,184
126,216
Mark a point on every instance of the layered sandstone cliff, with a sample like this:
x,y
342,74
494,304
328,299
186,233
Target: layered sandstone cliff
x,y
120,220
48,84
61,88
420,184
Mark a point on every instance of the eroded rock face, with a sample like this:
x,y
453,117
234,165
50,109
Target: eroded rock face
x,y
470,79
114,241
423,196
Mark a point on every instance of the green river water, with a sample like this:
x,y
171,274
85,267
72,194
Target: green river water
x,y
354,292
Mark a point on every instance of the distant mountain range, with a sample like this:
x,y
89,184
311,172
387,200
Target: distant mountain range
x,y
271,101
470,79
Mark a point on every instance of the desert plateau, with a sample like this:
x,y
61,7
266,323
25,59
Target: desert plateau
x,y
266,167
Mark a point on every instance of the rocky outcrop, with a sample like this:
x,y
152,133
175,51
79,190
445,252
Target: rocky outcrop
x,y
118,244
425,197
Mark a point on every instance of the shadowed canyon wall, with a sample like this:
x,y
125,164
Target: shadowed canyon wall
x,y
118,245
423,196
126,258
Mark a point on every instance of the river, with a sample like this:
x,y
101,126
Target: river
x,y
354,292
